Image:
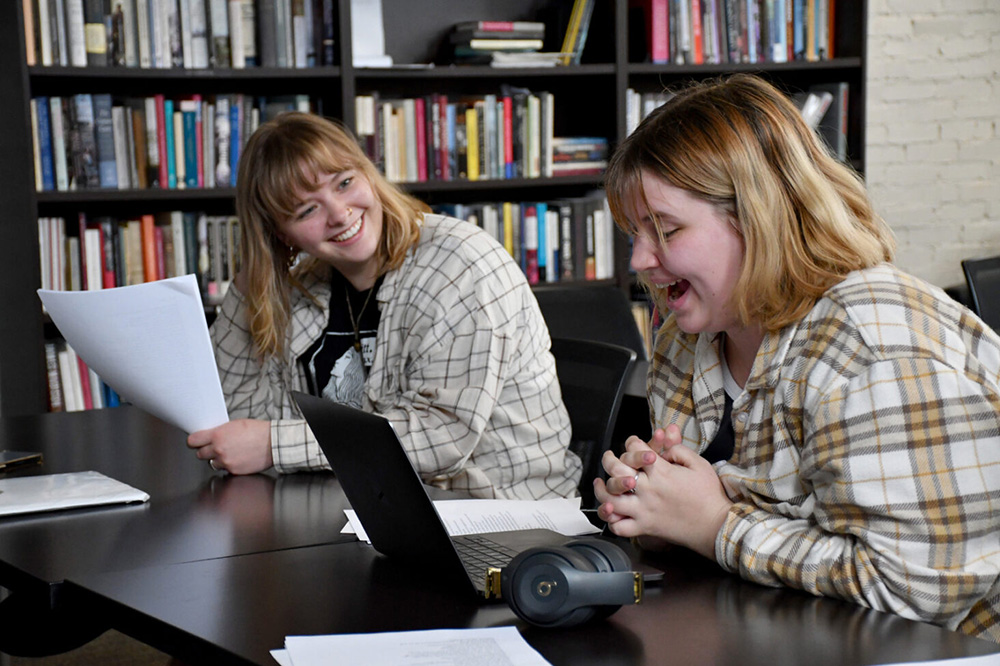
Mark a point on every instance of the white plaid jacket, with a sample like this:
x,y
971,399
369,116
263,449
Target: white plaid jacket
x,y
462,370
867,458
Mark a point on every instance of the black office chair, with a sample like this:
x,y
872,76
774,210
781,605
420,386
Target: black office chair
x,y
592,377
983,278
602,312
590,312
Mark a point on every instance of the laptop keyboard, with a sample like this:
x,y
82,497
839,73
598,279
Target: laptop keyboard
x,y
479,552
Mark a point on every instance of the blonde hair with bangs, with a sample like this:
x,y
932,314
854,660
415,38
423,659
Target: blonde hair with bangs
x,y
740,144
282,157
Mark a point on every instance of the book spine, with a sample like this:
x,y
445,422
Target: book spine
x,y
85,146
160,125
219,54
148,244
531,248
44,143
52,373
104,133
95,33
121,148
170,151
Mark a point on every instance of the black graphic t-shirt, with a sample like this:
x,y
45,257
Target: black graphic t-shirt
x,y
336,370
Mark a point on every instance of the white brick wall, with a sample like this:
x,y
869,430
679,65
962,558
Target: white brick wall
x,y
933,130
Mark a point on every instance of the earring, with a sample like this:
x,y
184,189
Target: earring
x,y
292,254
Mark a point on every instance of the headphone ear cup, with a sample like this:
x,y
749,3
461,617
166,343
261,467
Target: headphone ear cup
x,y
537,586
605,557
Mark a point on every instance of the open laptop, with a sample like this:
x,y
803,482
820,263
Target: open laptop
x,y
392,502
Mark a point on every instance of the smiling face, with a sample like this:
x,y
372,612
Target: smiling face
x,y
339,223
699,260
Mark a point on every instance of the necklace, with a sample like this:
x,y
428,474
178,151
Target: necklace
x,y
356,323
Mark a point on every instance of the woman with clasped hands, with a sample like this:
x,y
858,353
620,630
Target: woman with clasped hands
x,y
822,420
352,290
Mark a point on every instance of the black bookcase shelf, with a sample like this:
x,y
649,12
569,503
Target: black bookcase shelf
x,y
590,101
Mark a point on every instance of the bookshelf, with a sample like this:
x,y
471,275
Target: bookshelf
x,y
591,100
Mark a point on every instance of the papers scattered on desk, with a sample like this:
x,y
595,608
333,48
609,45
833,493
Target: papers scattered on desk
x,y
985,660
49,492
458,647
476,516
150,343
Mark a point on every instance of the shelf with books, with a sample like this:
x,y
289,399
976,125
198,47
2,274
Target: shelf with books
x,y
590,100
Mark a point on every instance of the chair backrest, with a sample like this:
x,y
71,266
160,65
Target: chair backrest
x,y
592,378
590,312
983,278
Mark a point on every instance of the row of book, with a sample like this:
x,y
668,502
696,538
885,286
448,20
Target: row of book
x,y
568,239
73,385
106,252
824,107
96,141
192,34
695,32
470,137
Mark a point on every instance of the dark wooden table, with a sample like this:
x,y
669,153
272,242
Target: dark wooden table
x,y
193,514
218,570
235,610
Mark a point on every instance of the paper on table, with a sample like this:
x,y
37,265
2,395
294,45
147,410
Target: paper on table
x,y
47,492
150,343
985,660
476,516
457,647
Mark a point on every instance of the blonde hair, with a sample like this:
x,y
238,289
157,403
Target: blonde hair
x,y
740,144
282,158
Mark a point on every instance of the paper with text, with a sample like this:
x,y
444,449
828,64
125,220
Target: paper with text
x,y
477,516
150,343
443,647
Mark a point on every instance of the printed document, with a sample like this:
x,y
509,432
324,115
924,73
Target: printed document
x,y
150,343
444,647
477,516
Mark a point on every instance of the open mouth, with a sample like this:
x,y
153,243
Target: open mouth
x,y
350,233
676,289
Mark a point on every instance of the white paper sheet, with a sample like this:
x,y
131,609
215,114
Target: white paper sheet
x,y
443,647
48,492
150,343
475,516
985,660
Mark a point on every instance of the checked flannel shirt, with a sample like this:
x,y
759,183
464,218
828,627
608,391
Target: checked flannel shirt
x,y
462,370
867,458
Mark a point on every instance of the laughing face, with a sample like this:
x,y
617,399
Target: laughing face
x,y
698,261
339,223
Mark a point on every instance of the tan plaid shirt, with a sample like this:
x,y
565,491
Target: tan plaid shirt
x,y
462,370
867,459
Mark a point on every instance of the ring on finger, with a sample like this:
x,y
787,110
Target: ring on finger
x,y
636,479
211,463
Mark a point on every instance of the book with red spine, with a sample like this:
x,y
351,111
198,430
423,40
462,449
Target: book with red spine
x,y
161,138
420,111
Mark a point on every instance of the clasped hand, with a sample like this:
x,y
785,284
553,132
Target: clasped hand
x,y
678,498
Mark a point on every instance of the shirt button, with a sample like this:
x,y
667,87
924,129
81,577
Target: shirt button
x,y
742,417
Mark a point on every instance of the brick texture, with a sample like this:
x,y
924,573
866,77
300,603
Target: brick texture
x,y
933,141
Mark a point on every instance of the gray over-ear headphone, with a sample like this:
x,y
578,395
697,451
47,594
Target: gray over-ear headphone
x,y
566,585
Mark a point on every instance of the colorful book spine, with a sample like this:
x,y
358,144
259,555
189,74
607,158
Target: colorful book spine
x,y
45,144
170,151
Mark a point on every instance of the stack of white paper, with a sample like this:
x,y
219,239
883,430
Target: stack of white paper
x,y
458,647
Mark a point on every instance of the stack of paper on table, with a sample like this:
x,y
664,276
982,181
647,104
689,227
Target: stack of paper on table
x,y
468,647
